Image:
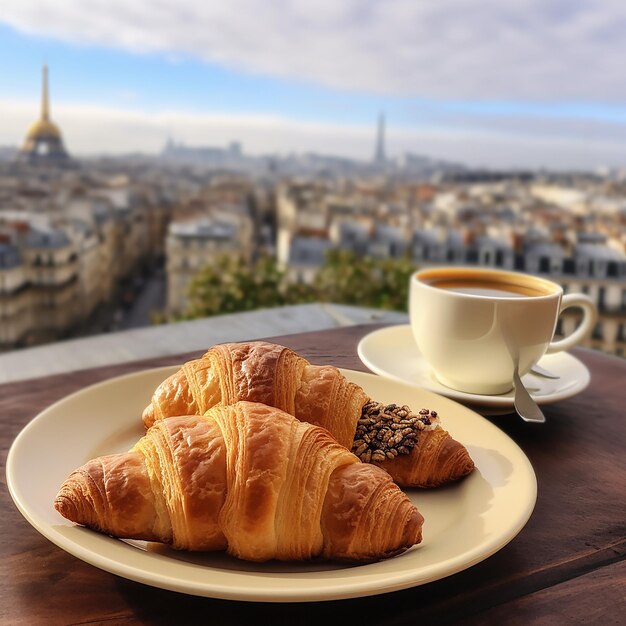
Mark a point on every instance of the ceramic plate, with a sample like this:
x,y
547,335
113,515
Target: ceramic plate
x,y
464,523
393,353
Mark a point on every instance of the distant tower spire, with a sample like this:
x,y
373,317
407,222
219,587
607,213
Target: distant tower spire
x,y
379,157
45,105
43,143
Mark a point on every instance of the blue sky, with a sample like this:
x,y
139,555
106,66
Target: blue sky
x,y
158,81
169,78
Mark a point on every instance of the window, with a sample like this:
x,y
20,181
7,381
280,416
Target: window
x,y
597,331
569,267
472,257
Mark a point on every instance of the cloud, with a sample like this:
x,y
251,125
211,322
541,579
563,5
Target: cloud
x,y
91,129
469,49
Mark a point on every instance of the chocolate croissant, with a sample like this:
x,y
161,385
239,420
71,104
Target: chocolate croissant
x,y
249,479
412,447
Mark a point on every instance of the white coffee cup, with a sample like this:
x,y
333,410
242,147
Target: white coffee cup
x,y
471,324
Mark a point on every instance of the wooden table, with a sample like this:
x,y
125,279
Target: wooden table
x,y
566,566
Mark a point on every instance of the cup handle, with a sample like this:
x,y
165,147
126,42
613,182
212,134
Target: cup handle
x,y
590,315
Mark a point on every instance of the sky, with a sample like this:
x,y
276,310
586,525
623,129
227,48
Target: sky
x,y
530,83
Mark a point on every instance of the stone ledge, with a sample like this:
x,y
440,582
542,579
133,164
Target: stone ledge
x,y
155,341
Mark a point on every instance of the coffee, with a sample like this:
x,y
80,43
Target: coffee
x,y
488,283
490,289
489,292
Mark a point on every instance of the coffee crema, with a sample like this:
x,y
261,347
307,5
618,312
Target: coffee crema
x,y
488,284
490,292
489,288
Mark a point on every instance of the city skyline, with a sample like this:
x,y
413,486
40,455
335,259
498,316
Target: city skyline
x,y
126,90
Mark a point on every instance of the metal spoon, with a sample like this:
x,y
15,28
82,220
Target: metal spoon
x,y
544,373
525,406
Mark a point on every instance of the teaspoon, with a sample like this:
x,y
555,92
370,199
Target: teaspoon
x,y
544,373
525,406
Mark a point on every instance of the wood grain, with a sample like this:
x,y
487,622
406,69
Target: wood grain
x,y
569,558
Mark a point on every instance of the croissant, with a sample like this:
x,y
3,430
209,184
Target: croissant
x,y
247,478
412,447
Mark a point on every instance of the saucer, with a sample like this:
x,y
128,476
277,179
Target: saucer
x,y
393,353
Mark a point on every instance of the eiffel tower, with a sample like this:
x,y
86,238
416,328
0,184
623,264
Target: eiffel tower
x,y
44,143
379,156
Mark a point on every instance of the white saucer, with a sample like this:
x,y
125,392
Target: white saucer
x,y
393,353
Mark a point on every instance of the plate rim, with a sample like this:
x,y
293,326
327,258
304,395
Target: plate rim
x,y
280,593
476,400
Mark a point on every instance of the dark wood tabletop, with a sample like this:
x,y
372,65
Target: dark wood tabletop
x,y
566,566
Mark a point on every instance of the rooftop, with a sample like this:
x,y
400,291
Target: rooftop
x,y
203,229
47,239
596,251
308,250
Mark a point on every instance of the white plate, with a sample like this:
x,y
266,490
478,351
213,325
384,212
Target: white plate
x,y
465,523
393,353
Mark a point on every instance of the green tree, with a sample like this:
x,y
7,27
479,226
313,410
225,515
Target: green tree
x,y
230,284
346,278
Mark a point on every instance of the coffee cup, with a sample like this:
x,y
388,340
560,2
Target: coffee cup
x,y
472,325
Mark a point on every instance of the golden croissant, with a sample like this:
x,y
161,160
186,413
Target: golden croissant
x,y
412,447
247,478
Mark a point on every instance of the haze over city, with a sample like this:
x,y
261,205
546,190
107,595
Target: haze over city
x,y
534,85
248,137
